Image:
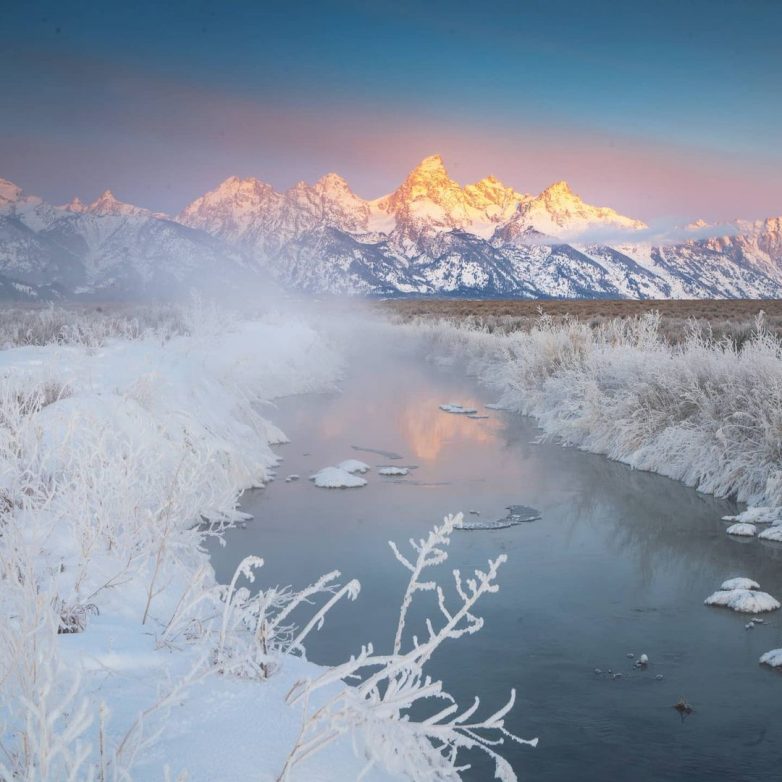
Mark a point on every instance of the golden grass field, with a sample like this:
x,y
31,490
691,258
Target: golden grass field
x,y
733,318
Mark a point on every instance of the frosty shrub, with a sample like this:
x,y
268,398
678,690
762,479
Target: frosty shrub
x,y
376,710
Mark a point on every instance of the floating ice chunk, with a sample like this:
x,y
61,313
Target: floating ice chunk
x,y
758,515
742,529
495,406
336,478
393,471
353,465
457,409
517,514
740,583
772,658
476,417
748,601
772,533
292,477
643,659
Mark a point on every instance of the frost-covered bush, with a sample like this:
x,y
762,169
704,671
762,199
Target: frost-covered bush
x,y
114,466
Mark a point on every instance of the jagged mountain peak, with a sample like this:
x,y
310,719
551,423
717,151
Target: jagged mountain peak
x,y
560,189
9,192
75,205
431,164
332,182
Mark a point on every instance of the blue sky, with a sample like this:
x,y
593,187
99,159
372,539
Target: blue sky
x,y
656,108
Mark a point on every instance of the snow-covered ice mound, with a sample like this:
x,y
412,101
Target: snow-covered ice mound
x,y
742,529
772,533
739,583
772,658
353,465
393,471
336,478
457,409
747,601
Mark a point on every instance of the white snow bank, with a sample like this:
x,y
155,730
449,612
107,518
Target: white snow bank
x,y
336,478
353,465
739,583
741,529
393,471
749,601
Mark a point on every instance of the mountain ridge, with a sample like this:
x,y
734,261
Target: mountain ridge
x,y
430,236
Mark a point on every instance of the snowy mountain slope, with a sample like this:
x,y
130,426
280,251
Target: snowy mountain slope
x,y
105,249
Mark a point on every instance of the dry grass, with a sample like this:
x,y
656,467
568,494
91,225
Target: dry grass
x,y
722,318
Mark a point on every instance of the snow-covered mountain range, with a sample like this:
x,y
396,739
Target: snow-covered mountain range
x,y
430,236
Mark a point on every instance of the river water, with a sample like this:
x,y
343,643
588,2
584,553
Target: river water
x,y
619,564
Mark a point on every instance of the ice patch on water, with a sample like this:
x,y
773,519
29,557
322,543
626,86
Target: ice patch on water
x,y
739,583
521,513
473,524
336,478
393,471
353,466
742,529
457,409
517,514
748,601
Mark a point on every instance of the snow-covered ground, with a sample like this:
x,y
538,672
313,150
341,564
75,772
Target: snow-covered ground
x,y
121,658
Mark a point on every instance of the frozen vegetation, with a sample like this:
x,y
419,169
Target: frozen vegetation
x,y
124,444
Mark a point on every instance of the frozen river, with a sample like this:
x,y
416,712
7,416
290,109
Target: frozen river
x,y
619,564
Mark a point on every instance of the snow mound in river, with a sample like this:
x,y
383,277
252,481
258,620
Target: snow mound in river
x,y
739,583
742,529
747,601
393,471
336,478
772,658
353,466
